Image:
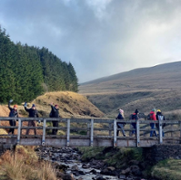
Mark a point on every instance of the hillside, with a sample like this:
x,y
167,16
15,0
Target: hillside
x,y
144,88
70,105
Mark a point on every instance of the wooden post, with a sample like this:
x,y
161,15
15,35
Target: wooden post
x,y
44,132
137,133
180,129
115,133
92,133
19,131
110,128
160,131
68,132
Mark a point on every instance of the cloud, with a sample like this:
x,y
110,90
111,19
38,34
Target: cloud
x,y
99,37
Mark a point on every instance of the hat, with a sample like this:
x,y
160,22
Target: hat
x,y
33,105
15,106
121,111
154,110
158,110
56,105
136,111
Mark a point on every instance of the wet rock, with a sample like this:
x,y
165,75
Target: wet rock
x,y
68,177
65,176
75,168
96,164
111,168
60,166
98,178
85,166
93,171
135,170
80,178
109,171
122,177
126,171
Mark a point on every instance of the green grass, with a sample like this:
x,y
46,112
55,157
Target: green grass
x,y
117,157
169,169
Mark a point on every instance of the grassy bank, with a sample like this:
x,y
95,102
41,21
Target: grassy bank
x,y
169,169
24,165
117,157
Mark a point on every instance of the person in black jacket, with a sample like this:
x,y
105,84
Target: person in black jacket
x,y
54,114
120,124
32,113
13,113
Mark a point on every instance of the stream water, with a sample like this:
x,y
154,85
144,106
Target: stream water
x,y
70,159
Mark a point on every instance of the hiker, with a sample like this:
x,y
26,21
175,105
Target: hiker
x,y
13,113
159,116
54,114
32,113
135,117
152,116
121,124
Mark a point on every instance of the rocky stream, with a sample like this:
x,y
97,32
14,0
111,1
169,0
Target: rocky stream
x,y
67,162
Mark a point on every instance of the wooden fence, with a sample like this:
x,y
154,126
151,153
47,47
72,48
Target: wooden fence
x,y
172,132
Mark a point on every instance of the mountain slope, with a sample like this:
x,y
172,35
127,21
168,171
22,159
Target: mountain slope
x,y
144,88
165,76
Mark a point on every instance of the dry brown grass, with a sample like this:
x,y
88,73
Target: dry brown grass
x,y
24,165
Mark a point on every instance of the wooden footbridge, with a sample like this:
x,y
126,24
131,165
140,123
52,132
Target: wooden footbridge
x,y
91,132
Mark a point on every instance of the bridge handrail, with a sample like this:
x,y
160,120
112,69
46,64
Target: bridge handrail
x,y
90,126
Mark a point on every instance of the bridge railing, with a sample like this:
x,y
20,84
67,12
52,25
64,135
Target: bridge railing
x,y
109,125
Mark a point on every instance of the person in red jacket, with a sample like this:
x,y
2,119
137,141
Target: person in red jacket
x,y
153,117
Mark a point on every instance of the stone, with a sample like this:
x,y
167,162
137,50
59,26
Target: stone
x,y
126,171
135,170
75,168
107,171
85,166
93,171
111,168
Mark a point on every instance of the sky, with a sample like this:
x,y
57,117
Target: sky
x,y
99,37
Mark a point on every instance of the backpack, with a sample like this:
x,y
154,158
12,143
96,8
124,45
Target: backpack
x,y
120,116
149,117
134,117
51,114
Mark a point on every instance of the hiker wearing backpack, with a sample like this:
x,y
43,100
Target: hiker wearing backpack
x,y
121,124
159,116
135,117
13,113
152,116
54,114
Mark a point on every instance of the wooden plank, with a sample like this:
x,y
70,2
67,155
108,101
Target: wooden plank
x,y
115,133
44,132
137,132
92,133
68,132
19,131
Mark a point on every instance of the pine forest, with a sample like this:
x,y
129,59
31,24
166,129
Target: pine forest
x,y
28,71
